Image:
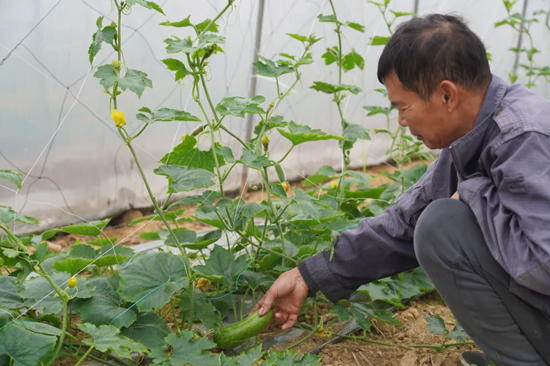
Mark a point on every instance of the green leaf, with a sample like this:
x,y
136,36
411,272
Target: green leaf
x,y
152,272
353,59
203,310
185,154
458,333
206,197
358,27
165,115
227,153
104,306
149,329
184,236
436,324
134,80
378,290
8,215
182,179
331,88
222,266
39,289
180,45
182,23
187,352
354,132
92,228
297,37
239,106
374,109
146,4
201,27
378,40
244,359
210,38
254,161
82,251
9,299
106,35
177,66
271,69
399,14
106,338
331,55
26,348
289,358
11,176
298,134
257,279
204,241
72,265
37,327
327,18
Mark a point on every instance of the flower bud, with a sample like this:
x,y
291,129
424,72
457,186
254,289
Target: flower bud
x,y
204,284
265,140
116,64
285,186
334,184
72,282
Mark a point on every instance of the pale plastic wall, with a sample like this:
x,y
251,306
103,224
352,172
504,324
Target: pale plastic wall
x,y
86,171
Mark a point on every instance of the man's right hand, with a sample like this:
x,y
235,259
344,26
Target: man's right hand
x,y
288,293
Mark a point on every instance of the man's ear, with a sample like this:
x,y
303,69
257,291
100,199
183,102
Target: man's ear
x,y
449,94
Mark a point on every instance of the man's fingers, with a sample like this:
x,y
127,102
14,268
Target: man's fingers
x,y
281,317
265,303
292,319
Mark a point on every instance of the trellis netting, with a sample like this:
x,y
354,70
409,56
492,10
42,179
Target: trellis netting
x,y
55,125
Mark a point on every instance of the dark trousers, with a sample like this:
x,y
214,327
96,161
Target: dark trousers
x,y
451,249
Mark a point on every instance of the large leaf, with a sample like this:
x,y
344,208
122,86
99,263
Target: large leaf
x,y
271,69
378,290
186,352
72,265
134,80
289,358
354,132
239,106
8,215
257,279
149,329
298,134
254,161
8,296
11,176
156,272
104,34
40,291
204,311
92,228
106,338
222,266
436,324
186,154
182,179
204,241
165,115
104,306
332,88
180,45
244,359
26,348
183,235
379,41
458,333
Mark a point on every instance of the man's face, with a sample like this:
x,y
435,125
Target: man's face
x,y
431,122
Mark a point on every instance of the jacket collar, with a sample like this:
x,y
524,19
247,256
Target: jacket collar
x,y
466,147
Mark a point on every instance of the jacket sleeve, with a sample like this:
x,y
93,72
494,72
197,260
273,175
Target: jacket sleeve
x,y
512,207
380,246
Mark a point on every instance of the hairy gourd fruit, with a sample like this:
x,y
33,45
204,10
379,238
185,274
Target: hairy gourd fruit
x,y
237,333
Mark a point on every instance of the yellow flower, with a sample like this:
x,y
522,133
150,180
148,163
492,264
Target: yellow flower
x,y
334,184
72,282
116,64
322,332
204,284
265,140
118,117
183,138
286,186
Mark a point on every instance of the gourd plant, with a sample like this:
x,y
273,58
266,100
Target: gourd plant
x,y
127,309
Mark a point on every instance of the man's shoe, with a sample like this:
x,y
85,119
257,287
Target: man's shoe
x,y
474,358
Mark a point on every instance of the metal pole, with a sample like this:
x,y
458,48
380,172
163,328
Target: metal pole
x,y
416,7
520,38
252,90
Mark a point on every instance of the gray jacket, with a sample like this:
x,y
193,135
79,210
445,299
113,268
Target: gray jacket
x,y
501,169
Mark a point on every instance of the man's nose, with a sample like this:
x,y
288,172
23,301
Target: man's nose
x,y
401,119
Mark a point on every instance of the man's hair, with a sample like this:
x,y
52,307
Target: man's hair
x,y
425,51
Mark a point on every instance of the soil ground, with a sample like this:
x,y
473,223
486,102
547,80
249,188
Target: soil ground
x,y
348,352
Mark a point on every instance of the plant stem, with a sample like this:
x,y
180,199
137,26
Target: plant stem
x,y
265,249
284,157
191,294
175,317
234,307
85,355
438,346
242,302
63,331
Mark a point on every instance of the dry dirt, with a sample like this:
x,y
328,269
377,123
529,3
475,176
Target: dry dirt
x,y
348,352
